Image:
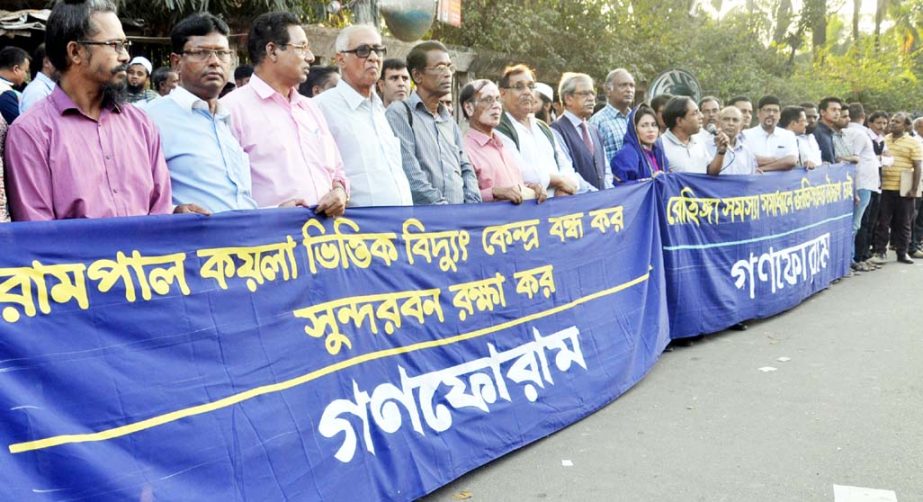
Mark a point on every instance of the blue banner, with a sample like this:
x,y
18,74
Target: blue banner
x,y
746,247
273,355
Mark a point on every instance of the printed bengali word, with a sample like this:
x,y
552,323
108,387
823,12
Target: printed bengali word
x,y
345,246
611,218
475,384
449,246
326,320
569,226
33,289
504,236
789,266
256,264
478,296
529,282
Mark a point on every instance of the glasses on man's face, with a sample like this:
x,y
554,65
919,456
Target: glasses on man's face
x,y
366,50
441,68
585,94
223,55
522,86
490,101
116,45
300,49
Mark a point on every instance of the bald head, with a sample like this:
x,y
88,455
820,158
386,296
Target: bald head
x,y
620,89
731,121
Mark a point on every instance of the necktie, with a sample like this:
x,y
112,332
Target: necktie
x,y
586,136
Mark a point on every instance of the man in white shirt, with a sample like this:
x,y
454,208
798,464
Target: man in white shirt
x,y
534,141
776,149
795,119
738,159
43,83
356,117
685,153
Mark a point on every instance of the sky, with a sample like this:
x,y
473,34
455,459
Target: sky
x,y
843,7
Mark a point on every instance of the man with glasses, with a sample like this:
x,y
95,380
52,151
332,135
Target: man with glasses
x,y
431,144
356,116
612,121
207,165
581,143
776,148
500,174
292,154
534,140
83,153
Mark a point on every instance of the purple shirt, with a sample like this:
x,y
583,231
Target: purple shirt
x,y
62,164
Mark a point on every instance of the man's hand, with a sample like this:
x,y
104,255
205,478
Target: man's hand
x,y
510,193
562,186
722,141
333,204
191,209
540,193
294,203
809,165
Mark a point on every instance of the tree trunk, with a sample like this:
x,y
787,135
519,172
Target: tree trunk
x,y
880,12
856,4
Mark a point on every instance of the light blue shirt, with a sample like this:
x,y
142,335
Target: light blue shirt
x,y
37,90
207,165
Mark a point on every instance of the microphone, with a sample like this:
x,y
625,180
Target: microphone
x,y
711,128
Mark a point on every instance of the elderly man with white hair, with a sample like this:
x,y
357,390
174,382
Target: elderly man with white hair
x,y
356,117
582,143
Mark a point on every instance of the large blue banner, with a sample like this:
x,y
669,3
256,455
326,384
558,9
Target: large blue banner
x,y
273,355
746,247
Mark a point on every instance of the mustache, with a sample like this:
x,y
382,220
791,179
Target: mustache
x,y
120,68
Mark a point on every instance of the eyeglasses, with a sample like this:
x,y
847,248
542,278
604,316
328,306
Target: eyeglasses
x,y
585,94
441,68
521,86
223,55
366,50
116,45
490,101
301,49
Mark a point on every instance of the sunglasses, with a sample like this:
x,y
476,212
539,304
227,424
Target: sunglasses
x,y
366,50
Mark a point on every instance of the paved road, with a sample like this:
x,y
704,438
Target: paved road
x,y
707,425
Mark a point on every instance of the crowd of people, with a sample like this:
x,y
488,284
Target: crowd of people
x,y
88,138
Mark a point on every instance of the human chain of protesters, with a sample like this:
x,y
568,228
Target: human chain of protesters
x,y
76,148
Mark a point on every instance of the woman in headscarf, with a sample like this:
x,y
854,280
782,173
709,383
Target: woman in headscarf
x,y
641,155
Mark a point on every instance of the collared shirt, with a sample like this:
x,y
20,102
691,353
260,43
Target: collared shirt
x,y
207,165
495,167
578,125
808,149
537,151
37,90
777,144
64,164
292,153
432,154
738,159
371,152
9,101
840,146
612,126
860,144
905,149
691,157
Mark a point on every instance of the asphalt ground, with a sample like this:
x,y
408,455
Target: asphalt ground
x,y
829,393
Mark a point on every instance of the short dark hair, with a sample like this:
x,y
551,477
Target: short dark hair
x,y
319,75
856,110
392,64
416,58
11,57
808,105
510,71
196,25
789,114
658,101
706,99
38,59
243,71
160,76
877,115
269,27
69,21
824,103
676,108
768,100
739,99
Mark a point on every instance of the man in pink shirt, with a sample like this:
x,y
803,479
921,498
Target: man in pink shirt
x,y
499,172
83,153
292,153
